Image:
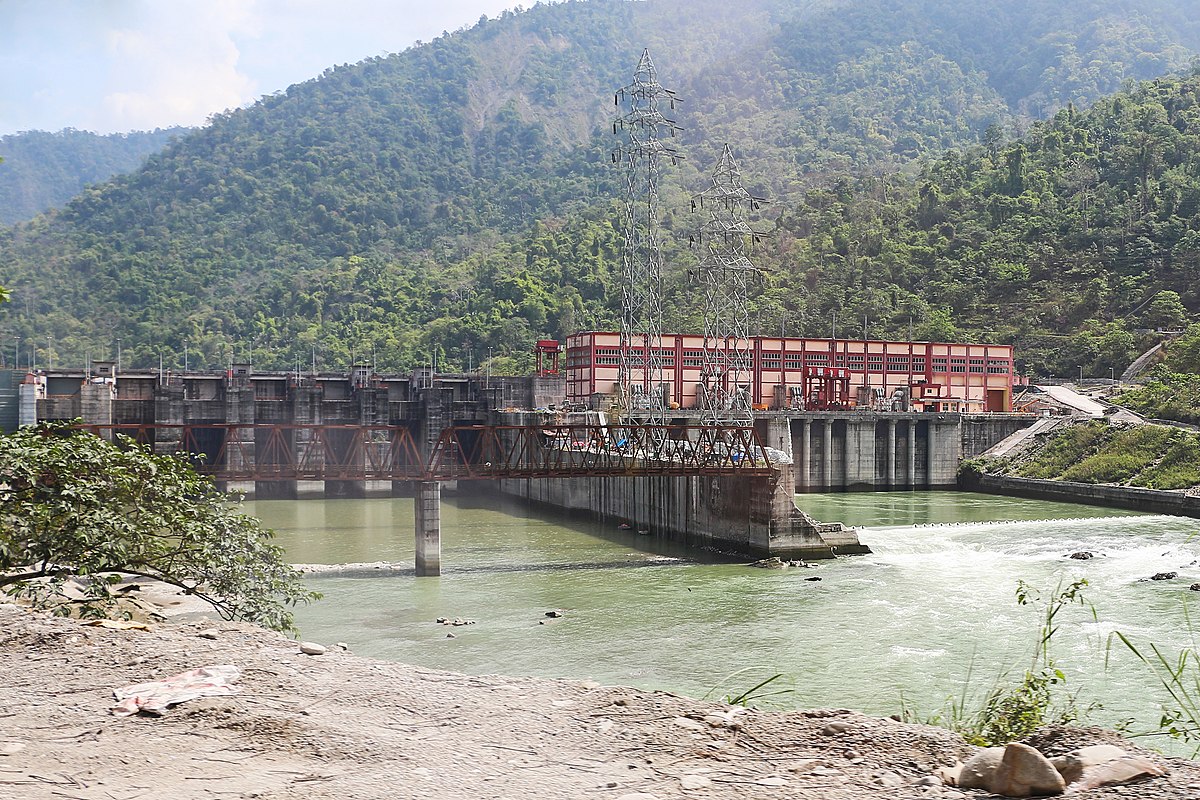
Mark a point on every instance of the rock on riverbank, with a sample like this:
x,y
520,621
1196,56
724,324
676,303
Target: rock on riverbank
x,y
338,726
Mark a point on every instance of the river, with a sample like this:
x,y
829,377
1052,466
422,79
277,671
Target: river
x,y
932,611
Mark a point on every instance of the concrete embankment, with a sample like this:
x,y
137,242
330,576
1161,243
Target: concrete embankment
x,y
1128,497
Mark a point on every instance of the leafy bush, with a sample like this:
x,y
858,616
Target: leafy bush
x,y
75,505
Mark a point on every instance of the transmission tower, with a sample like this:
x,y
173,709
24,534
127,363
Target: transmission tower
x,y
725,275
642,153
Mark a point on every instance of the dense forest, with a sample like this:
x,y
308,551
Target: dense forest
x,y
950,168
43,170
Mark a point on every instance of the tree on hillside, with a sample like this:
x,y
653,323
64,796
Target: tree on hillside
x,y
73,505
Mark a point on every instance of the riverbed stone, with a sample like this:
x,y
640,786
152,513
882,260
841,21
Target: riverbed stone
x,y
1024,772
208,633
1164,576
977,772
1071,765
312,649
834,728
1082,555
1117,771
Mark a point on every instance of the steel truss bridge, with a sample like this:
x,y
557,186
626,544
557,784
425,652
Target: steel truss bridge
x,y
265,452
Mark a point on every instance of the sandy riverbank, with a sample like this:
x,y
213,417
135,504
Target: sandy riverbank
x,y
341,726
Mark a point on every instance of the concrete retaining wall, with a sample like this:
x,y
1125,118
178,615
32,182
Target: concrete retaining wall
x,y
1150,500
749,516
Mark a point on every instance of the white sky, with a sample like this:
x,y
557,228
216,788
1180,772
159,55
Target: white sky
x,y
119,65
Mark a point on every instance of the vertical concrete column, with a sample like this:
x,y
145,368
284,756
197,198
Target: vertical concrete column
x,y
930,453
429,528
805,457
892,477
827,457
912,454
96,405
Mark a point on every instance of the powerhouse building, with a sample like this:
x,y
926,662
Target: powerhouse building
x,y
810,374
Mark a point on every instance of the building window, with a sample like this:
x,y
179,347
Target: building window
x,y
958,365
918,364
897,364
875,363
939,365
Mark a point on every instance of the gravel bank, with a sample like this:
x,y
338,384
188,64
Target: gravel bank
x,y
341,726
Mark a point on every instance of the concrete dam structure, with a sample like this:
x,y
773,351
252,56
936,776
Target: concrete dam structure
x,y
245,424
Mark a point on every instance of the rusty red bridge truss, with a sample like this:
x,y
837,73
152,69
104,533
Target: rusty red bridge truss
x,y
294,452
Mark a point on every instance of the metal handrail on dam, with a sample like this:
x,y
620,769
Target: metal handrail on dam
x,y
265,452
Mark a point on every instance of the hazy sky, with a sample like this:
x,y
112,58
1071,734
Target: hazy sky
x,y
120,65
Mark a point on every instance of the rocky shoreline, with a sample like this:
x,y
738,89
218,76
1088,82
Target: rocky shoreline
x,y
337,725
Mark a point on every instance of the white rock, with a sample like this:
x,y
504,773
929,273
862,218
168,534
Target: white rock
x,y
1024,772
689,782
605,725
312,649
978,771
773,780
208,633
1118,771
1071,765
834,728
11,748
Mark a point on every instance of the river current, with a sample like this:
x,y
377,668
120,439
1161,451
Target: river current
x,y
930,614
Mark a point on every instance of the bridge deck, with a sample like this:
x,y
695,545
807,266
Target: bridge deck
x,y
293,452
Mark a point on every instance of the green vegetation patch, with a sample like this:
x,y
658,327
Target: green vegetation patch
x,y
1179,467
1123,456
1065,449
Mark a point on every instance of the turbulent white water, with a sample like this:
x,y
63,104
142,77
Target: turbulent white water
x,y
931,611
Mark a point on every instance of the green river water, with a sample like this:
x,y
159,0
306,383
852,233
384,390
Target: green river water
x,y
908,624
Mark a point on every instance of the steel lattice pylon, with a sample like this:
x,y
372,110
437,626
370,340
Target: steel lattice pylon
x,y
725,275
642,154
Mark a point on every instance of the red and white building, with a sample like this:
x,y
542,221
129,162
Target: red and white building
x,y
811,374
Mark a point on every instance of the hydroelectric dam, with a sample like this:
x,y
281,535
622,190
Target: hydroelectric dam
x,y
358,434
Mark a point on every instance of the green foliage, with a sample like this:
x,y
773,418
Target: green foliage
x,y
1008,711
45,170
1179,467
1064,449
1166,395
75,505
1125,454
1179,675
756,694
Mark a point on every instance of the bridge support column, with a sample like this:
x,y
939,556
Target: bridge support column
x,y
912,454
429,529
892,477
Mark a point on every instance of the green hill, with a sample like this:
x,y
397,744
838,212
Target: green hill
x,y
43,170
458,197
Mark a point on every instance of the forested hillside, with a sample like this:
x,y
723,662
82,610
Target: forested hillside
x,y
44,170
458,196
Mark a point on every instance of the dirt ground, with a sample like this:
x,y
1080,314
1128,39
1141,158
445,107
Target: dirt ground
x,y
340,726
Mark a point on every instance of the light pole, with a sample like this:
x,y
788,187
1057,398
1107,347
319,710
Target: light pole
x,y
1081,374
1111,376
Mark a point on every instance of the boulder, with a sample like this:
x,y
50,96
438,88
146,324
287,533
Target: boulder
x,y
977,772
312,649
1024,772
1082,555
1164,576
1071,765
1121,770
1195,587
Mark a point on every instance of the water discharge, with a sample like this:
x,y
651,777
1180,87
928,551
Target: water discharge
x,y
933,605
